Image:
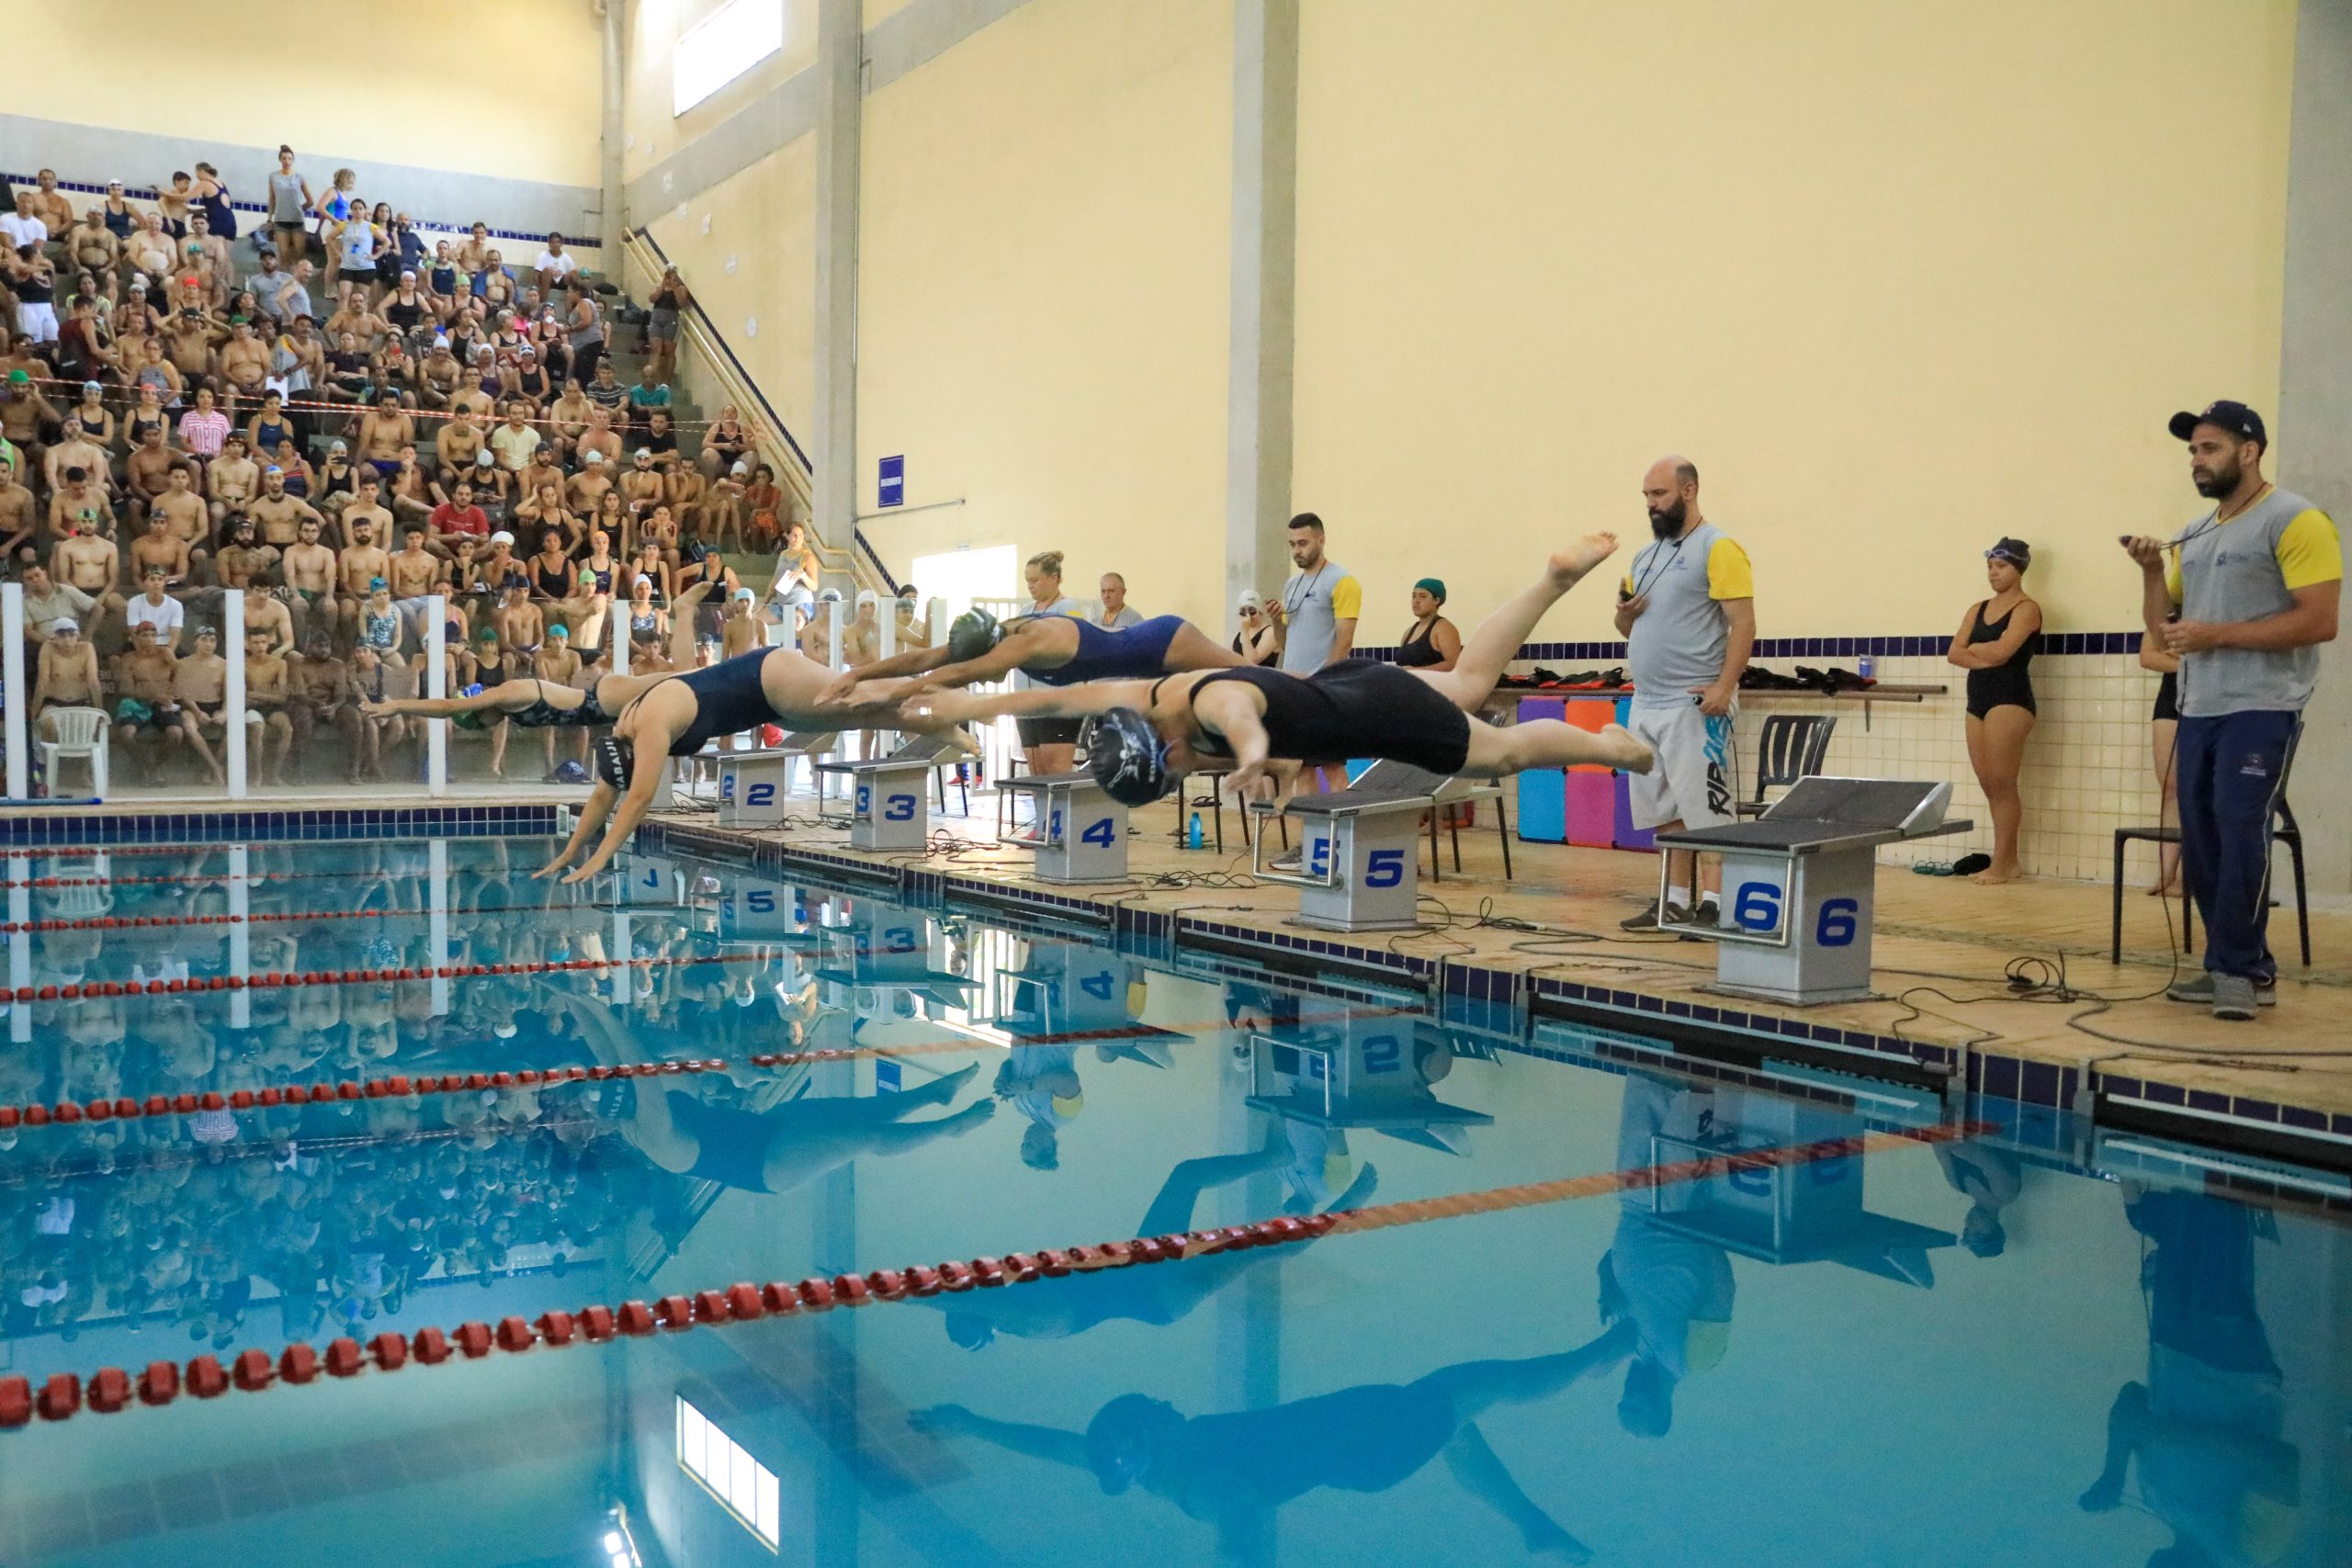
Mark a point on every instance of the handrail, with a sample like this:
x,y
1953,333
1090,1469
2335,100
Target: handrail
x,y
702,319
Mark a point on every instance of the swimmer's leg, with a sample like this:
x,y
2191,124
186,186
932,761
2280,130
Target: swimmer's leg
x,y
682,623
1494,642
1476,1387
1171,1210
1480,1470
1193,648
1496,752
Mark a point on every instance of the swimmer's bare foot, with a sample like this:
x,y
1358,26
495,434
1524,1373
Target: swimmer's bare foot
x,y
1625,750
1995,875
2165,890
1581,556
689,595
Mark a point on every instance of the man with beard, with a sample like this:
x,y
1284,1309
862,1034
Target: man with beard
x,y
1687,610
2243,598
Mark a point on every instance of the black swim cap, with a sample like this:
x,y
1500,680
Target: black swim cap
x,y
1127,758
975,632
615,758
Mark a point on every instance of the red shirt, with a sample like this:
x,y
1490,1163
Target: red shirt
x,y
447,519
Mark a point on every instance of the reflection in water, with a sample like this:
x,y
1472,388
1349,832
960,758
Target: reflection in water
x,y
1367,1438
2205,1426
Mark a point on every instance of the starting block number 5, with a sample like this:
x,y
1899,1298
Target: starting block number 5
x,y
1756,908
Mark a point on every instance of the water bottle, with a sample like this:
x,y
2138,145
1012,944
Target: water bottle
x,y
1193,834
1865,667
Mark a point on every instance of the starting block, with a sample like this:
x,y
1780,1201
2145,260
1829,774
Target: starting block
x,y
887,794
752,785
1082,831
1798,885
1359,850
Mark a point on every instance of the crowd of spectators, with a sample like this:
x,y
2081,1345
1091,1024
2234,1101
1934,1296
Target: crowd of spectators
x,y
343,421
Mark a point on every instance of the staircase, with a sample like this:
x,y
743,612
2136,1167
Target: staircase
x,y
848,565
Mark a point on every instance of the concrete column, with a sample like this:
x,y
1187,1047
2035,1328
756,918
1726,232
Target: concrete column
x,y
832,448
613,221
2316,393
1265,225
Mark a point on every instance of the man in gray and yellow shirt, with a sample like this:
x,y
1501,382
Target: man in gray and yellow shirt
x,y
2242,597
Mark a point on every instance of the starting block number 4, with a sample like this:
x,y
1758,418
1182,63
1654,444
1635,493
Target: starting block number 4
x,y
1100,834
1756,907
895,808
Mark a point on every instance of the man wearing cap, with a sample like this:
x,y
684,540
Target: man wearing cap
x,y
1687,610
67,675
2243,598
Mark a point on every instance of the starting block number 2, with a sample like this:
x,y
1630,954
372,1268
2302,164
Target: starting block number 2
x,y
1756,908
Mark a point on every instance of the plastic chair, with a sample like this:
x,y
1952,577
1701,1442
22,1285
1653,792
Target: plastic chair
x,y
81,732
1791,747
2283,829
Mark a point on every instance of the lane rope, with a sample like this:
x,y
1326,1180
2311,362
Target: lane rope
x,y
110,1390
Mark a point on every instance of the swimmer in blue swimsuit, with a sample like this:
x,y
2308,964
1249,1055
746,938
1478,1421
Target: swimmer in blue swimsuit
x,y
678,716
1052,650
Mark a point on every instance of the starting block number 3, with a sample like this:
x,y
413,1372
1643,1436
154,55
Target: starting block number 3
x,y
895,808
1756,908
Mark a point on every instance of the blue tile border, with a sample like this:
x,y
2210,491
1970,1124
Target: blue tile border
x,y
1930,646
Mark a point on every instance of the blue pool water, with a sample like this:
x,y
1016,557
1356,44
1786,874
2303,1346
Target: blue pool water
x,y
1999,1350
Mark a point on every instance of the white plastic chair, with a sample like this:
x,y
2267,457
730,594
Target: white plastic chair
x,y
81,732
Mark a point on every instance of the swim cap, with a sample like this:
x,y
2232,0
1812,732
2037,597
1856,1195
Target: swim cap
x,y
975,632
1127,758
615,757
1434,586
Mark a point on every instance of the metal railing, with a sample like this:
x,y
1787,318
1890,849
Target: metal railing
x,y
858,561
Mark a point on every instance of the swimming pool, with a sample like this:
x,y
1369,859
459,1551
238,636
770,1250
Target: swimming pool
x,y
1592,1298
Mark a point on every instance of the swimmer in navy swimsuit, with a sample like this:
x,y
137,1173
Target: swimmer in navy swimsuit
x,y
1052,650
678,716
1258,724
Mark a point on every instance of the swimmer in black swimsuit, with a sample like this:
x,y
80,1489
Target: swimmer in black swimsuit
x,y
534,703
1268,723
676,716
1996,645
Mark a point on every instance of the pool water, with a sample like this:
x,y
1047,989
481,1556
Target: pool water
x,y
1837,1325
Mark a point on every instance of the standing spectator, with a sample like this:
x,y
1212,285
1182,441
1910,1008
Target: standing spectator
x,y
1431,642
1996,644
585,325
1686,609
2243,599
670,298
1051,744
290,200
1259,640
213,201
1117,613
1320,604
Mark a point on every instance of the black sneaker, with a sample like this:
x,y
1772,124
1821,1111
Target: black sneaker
x,y
1710,914
1647,921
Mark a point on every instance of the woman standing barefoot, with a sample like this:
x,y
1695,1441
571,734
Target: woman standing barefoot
x,y
1996,645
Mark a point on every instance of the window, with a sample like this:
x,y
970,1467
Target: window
x,y
721,47
991,571
743,1484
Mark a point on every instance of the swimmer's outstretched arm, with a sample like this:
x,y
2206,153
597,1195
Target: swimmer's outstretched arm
x,y
591,817
1038,702
1049,1443
439,708
644,783
914,661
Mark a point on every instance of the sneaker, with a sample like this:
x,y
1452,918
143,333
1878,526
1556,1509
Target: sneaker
x,y
1710,914
2198,991
2233,997
1292,862
1647,919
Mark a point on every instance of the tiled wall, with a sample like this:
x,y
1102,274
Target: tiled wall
x,y
2087,764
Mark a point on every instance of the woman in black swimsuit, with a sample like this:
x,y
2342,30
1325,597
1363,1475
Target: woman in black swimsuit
x,y
1432,643
1996,645
1148,733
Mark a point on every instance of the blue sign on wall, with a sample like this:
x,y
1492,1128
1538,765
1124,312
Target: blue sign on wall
x,y
892,490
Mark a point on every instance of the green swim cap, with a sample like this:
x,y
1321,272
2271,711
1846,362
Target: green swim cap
x,y
975,632
1434,586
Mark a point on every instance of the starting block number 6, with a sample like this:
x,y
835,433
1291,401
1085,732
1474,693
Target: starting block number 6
x,y
1756,908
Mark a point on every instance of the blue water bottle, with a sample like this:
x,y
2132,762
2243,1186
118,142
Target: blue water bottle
x,y
1865,667
1193,834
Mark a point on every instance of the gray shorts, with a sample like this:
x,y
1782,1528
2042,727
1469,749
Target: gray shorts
x,y
1694,778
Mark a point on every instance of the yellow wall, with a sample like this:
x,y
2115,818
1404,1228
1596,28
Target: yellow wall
x,y
166,66
1900,278
650,131
763,218
1042,292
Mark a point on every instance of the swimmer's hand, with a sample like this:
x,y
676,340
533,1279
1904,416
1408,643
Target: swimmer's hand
x,y
840,688
375,707
1269,780
940,1419
938,710
552,866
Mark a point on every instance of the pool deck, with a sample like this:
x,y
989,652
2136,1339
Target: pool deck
x,y
2281,1083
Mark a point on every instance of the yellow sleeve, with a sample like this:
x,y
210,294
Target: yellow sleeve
x,y
1728,574
2309,551
1625,586
1347,599
2172,574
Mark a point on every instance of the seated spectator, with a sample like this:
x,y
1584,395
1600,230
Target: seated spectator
x,y
555,265
66,675
146,710
1431,642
